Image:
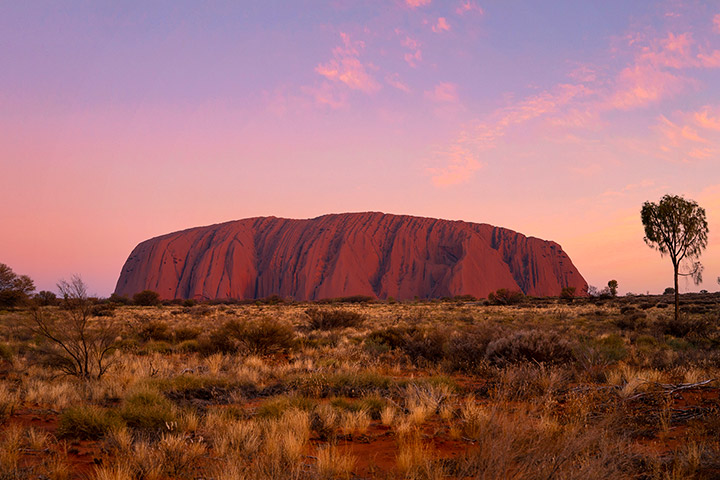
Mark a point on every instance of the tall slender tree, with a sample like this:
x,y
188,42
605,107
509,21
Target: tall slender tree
x,y
677,227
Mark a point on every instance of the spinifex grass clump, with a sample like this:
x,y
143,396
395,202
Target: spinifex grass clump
x,y
87,422
148,411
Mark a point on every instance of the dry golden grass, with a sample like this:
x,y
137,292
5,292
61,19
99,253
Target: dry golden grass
x,y
601,410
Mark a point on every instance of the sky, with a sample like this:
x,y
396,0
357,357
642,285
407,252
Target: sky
x,y
122,121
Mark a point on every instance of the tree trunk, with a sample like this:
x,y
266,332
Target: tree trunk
x,y
677,294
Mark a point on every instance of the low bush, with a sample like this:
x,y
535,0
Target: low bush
x,y
87,422
466,350
155,330
267,336
684,326
420,344
530,345
186,333
259,337
503,296
146,298
329,319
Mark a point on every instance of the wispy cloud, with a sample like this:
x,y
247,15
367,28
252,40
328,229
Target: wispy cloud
x,y
630,188
658,69
394,81
641,85
716,22
461,158
345,67
441,25
444,92
691,137
468,6
417,3
327,95
707,118
459,165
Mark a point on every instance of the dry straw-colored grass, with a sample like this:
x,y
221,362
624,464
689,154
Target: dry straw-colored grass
x,y
473,377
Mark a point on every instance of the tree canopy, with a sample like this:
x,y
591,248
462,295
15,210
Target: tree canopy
x,y
14,288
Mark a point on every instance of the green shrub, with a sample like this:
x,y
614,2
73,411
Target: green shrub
x,y
155,330
146,298
87,422
503,296
267,336
611,348
567,293
147,410
324,319
260,337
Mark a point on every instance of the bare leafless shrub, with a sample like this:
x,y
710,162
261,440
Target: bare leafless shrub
x,y
75,341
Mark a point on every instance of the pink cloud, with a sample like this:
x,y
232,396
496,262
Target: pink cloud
x,y
677,135
468,6
629,188
415,55
417,3
325,94
412,59
444,92
711,60
680,141
716,22
394,81
657,70
410,43
461,157
641,85
441,25
460,166
540,104
346,67
705,118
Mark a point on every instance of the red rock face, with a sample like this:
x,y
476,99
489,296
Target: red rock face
x,y
347,254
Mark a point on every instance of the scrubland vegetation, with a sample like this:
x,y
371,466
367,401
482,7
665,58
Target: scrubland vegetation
x,y
536,389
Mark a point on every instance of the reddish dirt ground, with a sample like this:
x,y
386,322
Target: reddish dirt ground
x,y
375,451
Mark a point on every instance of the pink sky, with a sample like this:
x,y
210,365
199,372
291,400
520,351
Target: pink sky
x,y
555,119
